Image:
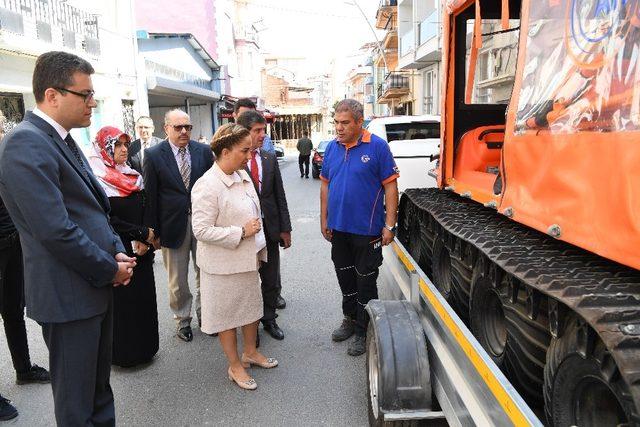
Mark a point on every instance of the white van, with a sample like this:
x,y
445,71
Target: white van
x,y
415,144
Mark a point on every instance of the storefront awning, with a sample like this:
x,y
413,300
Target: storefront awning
x,y
164,86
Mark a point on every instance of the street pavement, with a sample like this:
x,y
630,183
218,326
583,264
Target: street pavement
x,y
317,383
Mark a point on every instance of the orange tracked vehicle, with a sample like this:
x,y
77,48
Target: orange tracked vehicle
x,y
533,233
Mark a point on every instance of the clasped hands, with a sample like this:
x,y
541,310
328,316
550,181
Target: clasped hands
x,y
125,269
141,248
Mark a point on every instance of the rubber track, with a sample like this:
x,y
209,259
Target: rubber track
x,y
603,293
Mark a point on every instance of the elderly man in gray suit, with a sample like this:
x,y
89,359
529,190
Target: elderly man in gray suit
x,y
72,255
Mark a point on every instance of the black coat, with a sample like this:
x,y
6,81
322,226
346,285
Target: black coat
x,y
273,200
168,201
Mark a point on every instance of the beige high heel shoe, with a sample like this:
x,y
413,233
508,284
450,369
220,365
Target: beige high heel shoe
x,y
250,384
247,362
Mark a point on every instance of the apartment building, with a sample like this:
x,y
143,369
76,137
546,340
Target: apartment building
x,y
101,32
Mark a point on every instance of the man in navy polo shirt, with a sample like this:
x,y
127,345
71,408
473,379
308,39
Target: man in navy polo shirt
x,y
358,210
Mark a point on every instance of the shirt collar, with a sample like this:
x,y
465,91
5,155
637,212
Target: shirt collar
x,y
59,129
175,148
226,179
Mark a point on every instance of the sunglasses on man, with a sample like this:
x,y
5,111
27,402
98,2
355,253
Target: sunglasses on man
x,y
86,96
178,128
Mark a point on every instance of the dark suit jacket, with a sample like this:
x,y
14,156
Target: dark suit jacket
x,y
63,221
168,203
134,152
273,200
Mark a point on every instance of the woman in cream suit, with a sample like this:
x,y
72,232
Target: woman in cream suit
x,y
226,222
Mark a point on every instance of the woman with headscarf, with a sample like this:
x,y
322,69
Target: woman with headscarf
x,y
135,320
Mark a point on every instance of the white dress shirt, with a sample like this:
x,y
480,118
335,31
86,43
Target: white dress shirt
x,y
61,131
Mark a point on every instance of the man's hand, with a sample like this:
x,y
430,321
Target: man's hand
x,y
327,233
285,238
151,237
125,269
387,236
156,243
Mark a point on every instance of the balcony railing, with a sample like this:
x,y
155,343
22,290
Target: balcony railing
x,y
428,28
52,19
394,85
368,80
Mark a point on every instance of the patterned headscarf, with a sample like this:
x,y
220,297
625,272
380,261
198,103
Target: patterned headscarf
x,y
116,180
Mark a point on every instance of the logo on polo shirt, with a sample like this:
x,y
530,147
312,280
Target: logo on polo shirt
x,y
365,158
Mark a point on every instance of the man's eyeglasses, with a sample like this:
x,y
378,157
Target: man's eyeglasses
x,y
86,96
178,128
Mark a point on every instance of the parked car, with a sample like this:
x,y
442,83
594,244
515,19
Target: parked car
x,y
316,159
279,150
415,144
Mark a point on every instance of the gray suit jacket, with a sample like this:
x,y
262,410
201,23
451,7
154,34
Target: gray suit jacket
x,y
273,200
63,221
135,160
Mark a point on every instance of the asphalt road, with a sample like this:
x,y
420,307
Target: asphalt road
x,y
317,383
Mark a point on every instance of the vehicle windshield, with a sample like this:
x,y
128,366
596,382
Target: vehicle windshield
x,y
323,145
414,130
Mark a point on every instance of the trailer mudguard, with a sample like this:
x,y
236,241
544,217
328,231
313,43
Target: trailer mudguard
x,y
404,384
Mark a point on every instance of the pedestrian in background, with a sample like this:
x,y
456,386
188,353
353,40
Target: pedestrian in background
x,y
72,255
171,168
12,305
265,174
144,129
231,243
135,313
304,147
358,209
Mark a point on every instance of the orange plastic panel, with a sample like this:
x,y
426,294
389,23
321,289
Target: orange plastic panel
x,y
572,145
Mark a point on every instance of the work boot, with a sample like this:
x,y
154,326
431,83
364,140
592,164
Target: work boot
x,y
346,329
358,346
7,410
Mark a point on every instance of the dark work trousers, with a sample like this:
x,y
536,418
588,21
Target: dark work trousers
x,y
12,301
304,160
356,259
80,365
271,284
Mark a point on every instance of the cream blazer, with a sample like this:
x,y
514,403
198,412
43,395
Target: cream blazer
x,y
217,217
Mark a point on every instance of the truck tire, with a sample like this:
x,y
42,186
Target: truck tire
x,y
582,384
398,375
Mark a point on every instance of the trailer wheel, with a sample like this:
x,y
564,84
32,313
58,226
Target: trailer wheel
x,y
582,384
441,268
398,376
488,321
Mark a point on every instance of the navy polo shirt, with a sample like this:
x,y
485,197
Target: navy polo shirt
x,y
356,176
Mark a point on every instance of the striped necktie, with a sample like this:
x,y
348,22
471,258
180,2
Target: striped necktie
x,y
185,167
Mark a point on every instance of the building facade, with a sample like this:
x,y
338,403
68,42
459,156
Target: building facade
x,y
102,33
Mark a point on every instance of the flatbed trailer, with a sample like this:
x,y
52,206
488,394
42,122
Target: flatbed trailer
x,y
420,351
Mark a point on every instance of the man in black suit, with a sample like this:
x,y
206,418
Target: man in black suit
x,y
265,173
170,170
72,255
144,130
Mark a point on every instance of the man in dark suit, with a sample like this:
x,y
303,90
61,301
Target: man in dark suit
x,y
265,173
144,129
72,255
170,170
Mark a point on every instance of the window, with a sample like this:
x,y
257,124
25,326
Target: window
x,y
496,62
412,130
430,92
